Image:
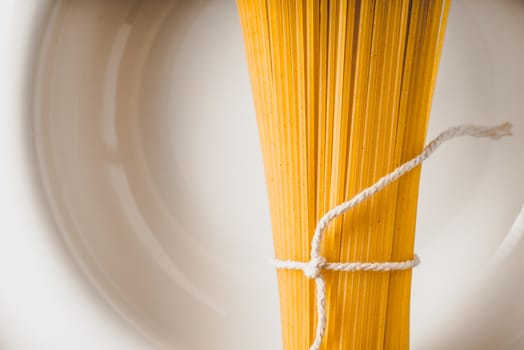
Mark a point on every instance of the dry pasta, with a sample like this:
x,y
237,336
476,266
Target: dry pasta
x,y
342,92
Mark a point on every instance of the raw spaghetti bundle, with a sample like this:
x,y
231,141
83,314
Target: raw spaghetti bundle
x,y
342,92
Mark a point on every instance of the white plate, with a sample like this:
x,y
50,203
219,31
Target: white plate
x,y
148,153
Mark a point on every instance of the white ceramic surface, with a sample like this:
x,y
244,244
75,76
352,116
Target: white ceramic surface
x,y
132,139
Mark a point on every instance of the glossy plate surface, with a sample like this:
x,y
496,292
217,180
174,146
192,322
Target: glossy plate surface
x,y
147,150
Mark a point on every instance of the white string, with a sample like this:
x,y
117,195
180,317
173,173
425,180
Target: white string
x,y
313,268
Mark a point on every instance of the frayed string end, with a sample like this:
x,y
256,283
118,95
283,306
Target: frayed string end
x,y
497,132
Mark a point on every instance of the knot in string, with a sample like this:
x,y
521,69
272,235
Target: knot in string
x,y
313,268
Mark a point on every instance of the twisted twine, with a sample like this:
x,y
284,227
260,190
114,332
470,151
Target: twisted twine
x,y
313,268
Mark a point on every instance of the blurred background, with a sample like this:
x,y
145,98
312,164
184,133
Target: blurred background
x,y
132,196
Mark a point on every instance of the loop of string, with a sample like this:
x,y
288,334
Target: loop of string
x,y
313,268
